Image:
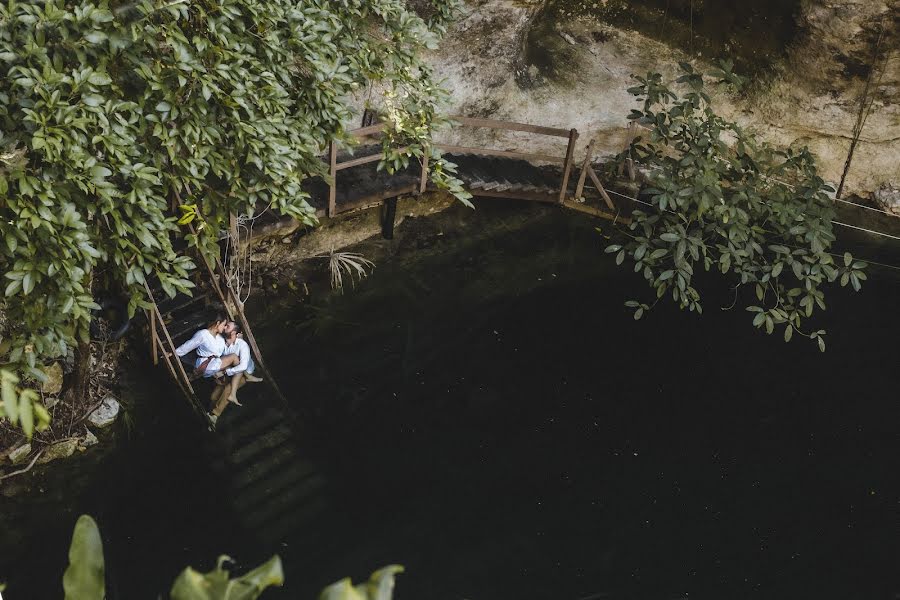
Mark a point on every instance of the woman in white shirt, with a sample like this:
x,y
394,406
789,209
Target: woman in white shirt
x,y
210,345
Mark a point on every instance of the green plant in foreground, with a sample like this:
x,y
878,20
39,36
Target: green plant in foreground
x,y
721,200
84,578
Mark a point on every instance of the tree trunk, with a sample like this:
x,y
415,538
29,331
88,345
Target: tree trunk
x,y
81,374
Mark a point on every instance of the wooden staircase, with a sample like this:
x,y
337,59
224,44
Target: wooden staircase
x,y
273,488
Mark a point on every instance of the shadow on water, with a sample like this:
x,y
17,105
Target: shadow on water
x,y
487,413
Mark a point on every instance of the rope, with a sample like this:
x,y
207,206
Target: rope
x,y
241,267
872,231
872,262
858,205
785,183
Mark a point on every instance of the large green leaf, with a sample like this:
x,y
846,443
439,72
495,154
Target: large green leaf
x,y
84,578
381,584
342,590
379,587
217,584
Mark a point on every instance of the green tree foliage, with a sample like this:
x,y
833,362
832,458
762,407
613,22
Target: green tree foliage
x,y
723,201
112,112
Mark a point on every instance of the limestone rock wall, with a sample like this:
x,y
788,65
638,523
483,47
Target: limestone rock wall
x,y
506,59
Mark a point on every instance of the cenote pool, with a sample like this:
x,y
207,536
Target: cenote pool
x,y
484,411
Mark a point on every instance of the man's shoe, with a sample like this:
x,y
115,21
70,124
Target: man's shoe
x,y
212,420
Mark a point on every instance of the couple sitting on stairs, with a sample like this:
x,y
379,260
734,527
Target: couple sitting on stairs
x,y
222,353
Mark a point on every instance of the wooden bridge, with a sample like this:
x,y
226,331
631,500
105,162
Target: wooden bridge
x,y
274,488
486,172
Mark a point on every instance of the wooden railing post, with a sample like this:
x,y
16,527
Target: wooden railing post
x,y
567,166
579,188
154,342
423,179
332,186
596,180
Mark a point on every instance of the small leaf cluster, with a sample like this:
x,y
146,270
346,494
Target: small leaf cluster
x,y
411,123
722,201
21,407
112,113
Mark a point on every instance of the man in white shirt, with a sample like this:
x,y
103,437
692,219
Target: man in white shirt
x,y
240,373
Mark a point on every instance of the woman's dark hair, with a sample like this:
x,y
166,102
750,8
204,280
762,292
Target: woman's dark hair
x,y
216,317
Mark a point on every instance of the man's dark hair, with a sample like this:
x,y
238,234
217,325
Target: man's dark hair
x,y
237,327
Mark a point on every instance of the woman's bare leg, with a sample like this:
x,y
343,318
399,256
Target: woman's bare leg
x,y
236,381
229,361
217,394
222,400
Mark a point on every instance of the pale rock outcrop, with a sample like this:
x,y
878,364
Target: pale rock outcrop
x,y
492,69
105,414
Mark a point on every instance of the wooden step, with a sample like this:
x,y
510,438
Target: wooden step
x,y
242,429
251,474
283,504
280,480
295,522
268,441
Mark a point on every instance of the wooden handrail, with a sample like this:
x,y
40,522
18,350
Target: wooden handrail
x,y
510,125
363,160
503,153
340,166
184,381
154,342
367,131
370,130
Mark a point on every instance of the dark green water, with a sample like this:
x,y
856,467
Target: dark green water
x,y
489,415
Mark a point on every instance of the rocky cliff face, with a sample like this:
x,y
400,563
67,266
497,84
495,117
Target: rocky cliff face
x,y
568,64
